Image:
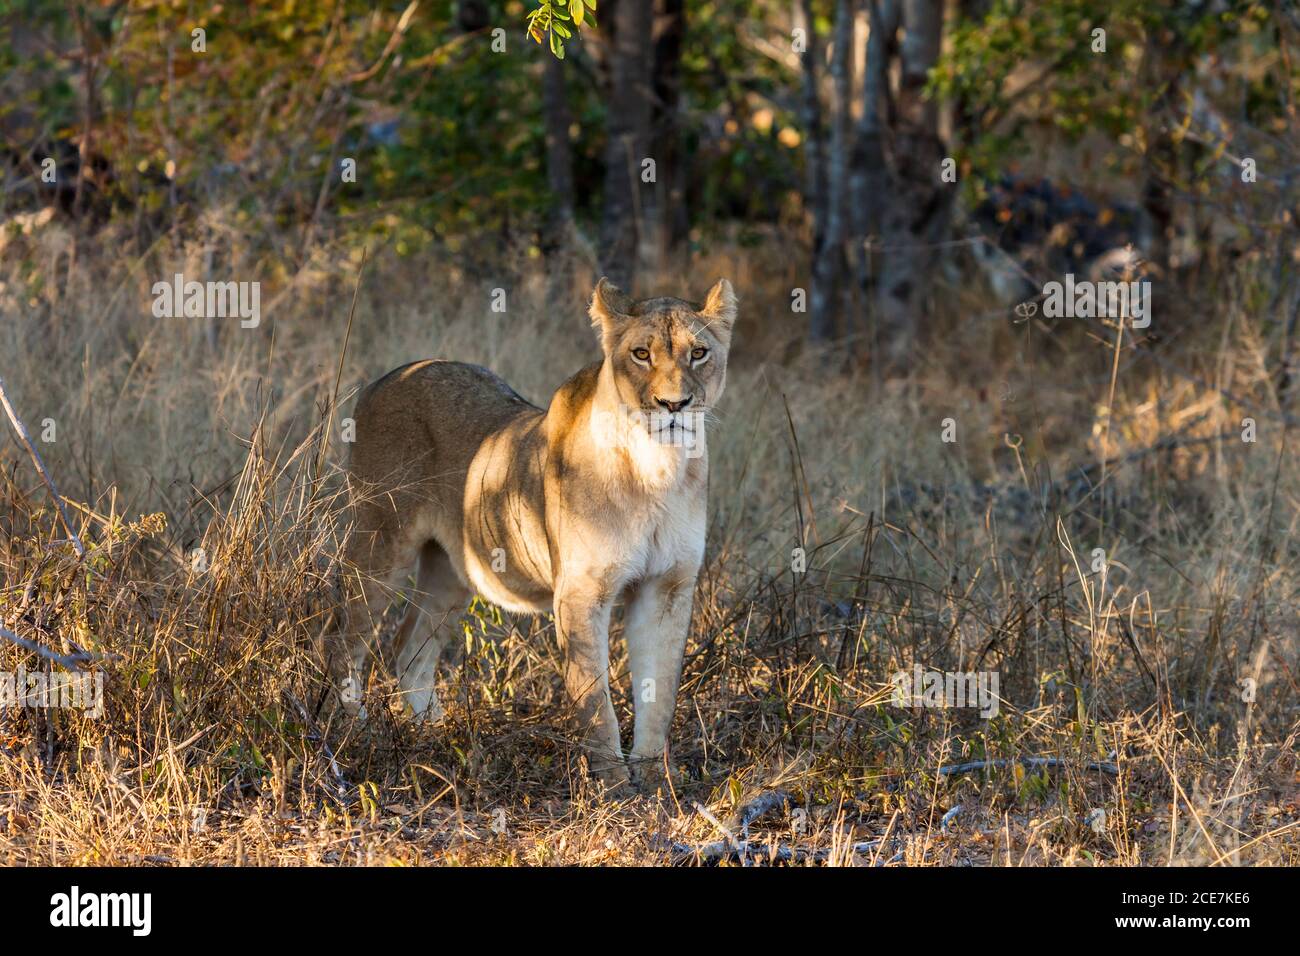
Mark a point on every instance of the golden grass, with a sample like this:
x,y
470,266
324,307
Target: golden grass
x,y
968,556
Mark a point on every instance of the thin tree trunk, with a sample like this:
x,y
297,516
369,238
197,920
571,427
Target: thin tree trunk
x,y
916,203
968,120
827,264
627,124
869,176
669,31
472,15
558,230
90,63
1160,70
25,438
559,155
815,190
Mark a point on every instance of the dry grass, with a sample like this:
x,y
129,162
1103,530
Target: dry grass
x,y
967,556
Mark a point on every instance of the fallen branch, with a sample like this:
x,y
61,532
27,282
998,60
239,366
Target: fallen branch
x,y
68,661
746,853
741,850
26,439
749,812
1050,763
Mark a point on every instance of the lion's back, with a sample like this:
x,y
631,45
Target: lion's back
x,y
428,419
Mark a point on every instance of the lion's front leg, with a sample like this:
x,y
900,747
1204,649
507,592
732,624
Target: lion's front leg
x,y
582,621
656,623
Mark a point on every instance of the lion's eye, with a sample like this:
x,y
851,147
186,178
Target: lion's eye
x,y
698,353
641,355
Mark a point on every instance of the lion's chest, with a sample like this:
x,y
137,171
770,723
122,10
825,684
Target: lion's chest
x,y
530,530
669,537
656,521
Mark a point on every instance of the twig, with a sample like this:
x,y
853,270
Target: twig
x,y
68,661
343,354
399,32
26,439
315,733
731,840
175,748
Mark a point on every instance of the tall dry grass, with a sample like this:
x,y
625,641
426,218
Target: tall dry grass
x,y
175,435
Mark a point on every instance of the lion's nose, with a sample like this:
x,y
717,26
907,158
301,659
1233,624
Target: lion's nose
x,y
676,406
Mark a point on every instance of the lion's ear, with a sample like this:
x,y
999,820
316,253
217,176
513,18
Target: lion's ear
x,y
610,308
719,309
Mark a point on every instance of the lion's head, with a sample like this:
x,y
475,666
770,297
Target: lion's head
x,y
668,357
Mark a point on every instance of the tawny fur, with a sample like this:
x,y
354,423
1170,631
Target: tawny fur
x,y
569,509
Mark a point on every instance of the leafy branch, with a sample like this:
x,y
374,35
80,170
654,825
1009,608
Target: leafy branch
x,y
556,20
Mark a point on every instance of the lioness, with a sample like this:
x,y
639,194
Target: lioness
x,y
599,497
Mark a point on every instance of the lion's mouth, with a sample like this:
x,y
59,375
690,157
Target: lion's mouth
x,y
675,428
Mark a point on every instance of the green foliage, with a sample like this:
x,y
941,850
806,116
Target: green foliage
x,y
447,133
1030,67
550,21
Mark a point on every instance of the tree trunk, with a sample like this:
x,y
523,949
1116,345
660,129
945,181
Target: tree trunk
x,y
869,176
828,259
916,203
472,15
558,229
815,190
1163,64
627,125
670,194
559,157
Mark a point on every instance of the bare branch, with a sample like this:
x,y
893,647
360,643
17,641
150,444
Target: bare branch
x,y
1049,763
26,439
68,661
